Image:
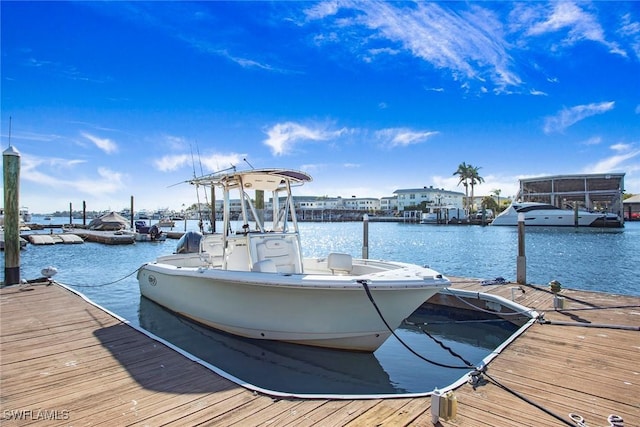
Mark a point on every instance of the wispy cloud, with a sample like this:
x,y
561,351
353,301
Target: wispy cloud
x,y
67,71
469,43
52,172
33,136
216,162
537,92
570,116
31,163
630,30
401,137
282,137
595,140
203,163
105,144
172,162
205,46
567,18
322,10
617,162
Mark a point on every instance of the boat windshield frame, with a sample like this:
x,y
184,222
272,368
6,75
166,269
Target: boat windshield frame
x,y
278,182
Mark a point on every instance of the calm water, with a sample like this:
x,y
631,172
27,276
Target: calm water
x,y
600,260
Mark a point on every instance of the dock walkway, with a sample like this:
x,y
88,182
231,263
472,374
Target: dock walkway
x,y
65,362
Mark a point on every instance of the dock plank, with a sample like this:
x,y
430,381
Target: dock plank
x,y
60,353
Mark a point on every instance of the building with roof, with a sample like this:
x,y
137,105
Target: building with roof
x,y
592,192
415,198
632,208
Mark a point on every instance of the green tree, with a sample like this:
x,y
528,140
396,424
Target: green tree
x,y
463,175
496,192
474,179
489,202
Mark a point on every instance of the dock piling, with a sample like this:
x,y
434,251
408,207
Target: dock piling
x,y
11,167
521,268
365,238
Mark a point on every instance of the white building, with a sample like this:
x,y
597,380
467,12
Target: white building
x,y
389,203
368,204
413,199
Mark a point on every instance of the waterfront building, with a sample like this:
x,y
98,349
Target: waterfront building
x,y
592,192
389,203
414,199
632,208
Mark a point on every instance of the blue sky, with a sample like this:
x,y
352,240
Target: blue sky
x,y
110,100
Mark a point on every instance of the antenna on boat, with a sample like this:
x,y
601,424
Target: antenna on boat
x,y
247,162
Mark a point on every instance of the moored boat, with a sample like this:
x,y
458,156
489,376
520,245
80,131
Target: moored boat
x,y
254,281
166,222
544,214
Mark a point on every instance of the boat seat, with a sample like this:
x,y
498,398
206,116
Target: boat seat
x,y
265,266
280,252
340,263
212,249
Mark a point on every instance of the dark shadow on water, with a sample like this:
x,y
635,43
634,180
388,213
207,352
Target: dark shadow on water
x,y
268,364
298,369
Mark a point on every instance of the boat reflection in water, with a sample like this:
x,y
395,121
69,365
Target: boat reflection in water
x,y
305,370
271,365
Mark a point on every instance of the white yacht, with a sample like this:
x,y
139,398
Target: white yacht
x,y
544,214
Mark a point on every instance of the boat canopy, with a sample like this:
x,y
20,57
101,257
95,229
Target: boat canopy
x,y
276,181
255,179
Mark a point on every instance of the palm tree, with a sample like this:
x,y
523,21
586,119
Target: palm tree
x,y
474,178
496,192
463,174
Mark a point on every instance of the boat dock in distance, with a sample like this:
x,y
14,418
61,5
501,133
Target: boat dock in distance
x,y
68,362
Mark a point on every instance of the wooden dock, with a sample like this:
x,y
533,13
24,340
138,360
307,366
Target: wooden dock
x,y
106,237
65,361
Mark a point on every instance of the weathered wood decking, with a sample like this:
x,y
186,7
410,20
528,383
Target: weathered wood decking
x,y
67,362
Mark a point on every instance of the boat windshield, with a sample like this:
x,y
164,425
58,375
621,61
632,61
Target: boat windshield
x,y
540,207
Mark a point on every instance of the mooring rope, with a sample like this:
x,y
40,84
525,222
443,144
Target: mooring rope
x,y
446,347
527,400
108,283
404,344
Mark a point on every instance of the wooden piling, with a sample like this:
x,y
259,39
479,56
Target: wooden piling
x,y
131,211
521,263
11,167
365,238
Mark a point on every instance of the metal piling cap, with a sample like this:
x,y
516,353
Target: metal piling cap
x,y
555,286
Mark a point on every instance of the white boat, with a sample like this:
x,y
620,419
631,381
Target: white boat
x,y
254,282
145,233
25,216
166,222
544,214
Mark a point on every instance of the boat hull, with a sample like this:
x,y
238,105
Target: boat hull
x,y
319,310
555,220
549,216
